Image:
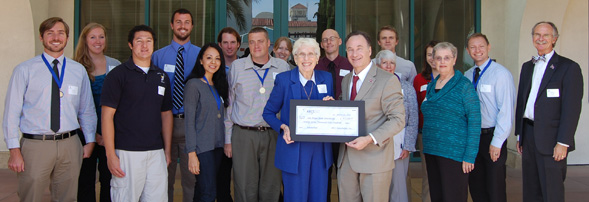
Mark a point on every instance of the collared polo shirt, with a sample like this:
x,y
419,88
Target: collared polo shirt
x,y
139,98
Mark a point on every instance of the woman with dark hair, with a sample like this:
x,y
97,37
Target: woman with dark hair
x,y
90,53
420,82
205,94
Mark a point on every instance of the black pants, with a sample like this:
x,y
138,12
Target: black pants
x,y
87,179
224,180
487,180
447,181
542,176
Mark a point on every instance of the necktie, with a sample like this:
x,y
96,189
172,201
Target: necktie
x,y
354,93
331,69
55,100
538,58
477,72
309,89
178,94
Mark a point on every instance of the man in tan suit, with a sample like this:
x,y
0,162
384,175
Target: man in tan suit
x,y
365,164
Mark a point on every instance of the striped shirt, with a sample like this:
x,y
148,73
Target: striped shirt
x,y
246,103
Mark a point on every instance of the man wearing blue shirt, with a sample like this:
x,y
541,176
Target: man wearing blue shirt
x,y
177,60
48,99
496,91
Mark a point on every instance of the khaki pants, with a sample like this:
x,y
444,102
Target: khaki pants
x,y
255,177
50,163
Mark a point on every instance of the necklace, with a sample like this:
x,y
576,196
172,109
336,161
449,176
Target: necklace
x,y
309,94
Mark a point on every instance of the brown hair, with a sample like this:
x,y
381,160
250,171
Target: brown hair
x,y
49,23
280,40
259,30
82,54
475,35
228,30
389,28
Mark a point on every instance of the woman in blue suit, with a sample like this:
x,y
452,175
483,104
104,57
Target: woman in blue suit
x,y
304,165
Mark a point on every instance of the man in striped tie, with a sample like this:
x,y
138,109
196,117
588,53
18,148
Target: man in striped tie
x,y
177,60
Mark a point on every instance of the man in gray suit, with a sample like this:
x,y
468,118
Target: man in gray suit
x,y
365,164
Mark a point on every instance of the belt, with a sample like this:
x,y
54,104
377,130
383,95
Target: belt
x,y
180,116
487,130
529,122
60,136
256,128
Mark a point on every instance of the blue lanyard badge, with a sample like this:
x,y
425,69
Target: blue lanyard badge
x,y
262,78
217,96
480,75
59,80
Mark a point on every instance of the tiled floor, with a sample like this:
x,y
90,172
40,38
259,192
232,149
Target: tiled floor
x,y
576,184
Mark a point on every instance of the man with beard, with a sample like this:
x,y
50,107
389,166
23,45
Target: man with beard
x,y
48,99
177,60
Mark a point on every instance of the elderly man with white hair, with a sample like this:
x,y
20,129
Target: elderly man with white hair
x,y
405,140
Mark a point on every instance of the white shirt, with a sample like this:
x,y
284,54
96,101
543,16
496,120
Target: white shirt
x,y
361,77
539,69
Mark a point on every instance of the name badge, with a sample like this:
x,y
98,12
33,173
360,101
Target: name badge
x,y
111,67
161,90
552,93
423,88
322,88
274,74
72,90
485,88
343,72
169,68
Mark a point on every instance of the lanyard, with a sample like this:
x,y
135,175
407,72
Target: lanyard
x,y
59,80
217,97
480,75
262,78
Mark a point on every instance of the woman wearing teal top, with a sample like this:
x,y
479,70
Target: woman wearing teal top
x,y
90,53
451,128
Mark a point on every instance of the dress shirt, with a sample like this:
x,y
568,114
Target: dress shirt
x,y
496,92
304,81
342,68
361,77
29,96
165,59
246,103
405,69
539,69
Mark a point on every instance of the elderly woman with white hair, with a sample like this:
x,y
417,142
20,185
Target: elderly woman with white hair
x,y
304,165
451,128
405,140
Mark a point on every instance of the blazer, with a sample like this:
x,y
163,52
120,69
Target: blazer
x,y
287,86
385,117
555,118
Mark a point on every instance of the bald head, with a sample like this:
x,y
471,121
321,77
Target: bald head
x,y
330,42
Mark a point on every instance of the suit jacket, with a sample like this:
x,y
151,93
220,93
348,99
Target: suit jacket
x,y
555,118
287,86
385,117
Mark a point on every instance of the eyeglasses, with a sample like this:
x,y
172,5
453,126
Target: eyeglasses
x,y
446,59
330,39
304,55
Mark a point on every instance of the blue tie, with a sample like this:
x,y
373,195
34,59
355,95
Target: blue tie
x,y
309,89
178,94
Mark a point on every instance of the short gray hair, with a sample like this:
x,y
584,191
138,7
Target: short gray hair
x,y
554,29
306,42
446,46
385,54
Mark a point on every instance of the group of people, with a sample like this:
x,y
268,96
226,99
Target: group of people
x,y
141,118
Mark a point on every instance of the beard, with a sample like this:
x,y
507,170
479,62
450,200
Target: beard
x,y
52,48
179,35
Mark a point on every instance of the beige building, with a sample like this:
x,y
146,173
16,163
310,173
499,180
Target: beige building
x,y
507,23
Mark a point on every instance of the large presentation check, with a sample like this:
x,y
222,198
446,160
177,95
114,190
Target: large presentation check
x,y
326,121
